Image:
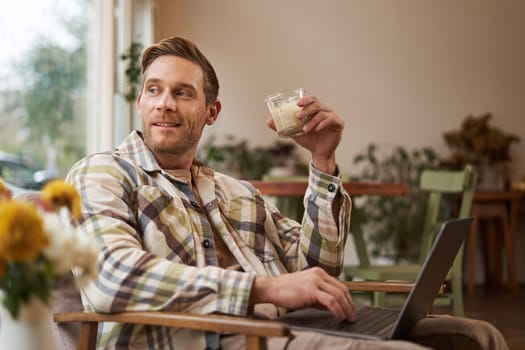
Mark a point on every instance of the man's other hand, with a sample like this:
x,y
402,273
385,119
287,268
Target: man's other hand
x,y
309,288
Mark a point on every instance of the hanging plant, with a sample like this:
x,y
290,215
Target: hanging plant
x,y
133,70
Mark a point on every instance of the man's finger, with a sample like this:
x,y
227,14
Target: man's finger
x,y
331,303
340,293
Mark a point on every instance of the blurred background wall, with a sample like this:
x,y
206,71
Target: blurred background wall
x,y
399,72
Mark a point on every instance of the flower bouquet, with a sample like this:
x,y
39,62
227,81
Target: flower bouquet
x,y
39,247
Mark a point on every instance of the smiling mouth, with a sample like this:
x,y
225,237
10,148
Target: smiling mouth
x,y
167,125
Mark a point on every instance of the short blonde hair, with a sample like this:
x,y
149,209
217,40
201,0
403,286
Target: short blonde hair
x,y
177,46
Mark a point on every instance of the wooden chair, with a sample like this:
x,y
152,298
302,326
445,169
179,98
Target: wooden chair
x,y
72,325
255,330
437,183
489,209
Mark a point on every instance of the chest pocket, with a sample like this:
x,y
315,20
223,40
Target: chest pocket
x,y
165,223
247,216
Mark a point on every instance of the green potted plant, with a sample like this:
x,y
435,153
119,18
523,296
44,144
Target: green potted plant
x,y
484,146
393,224
238,158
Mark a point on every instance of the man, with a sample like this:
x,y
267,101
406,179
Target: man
x,y
176,235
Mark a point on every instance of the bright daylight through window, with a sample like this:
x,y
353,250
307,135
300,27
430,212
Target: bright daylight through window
x,y
42,89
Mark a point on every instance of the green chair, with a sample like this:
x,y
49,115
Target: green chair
x,y
437,183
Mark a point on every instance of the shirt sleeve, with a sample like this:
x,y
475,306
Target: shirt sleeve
x,y
324,236
131,278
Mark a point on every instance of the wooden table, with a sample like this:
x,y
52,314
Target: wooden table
x,y
491,207
291,195
354,188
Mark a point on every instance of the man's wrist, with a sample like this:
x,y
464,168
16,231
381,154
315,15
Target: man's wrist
x,y
326,165
260,290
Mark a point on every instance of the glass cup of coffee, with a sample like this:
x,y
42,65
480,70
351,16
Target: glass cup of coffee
x,y
283,108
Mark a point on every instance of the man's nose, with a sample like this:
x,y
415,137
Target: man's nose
x,y
166,103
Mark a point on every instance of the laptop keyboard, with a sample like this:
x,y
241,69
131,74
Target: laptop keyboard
x,y
372,321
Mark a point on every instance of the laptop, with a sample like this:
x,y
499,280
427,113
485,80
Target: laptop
x,y
383,323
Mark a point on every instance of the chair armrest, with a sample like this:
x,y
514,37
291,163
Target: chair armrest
x,y
255,330
383,286
379,286
215,323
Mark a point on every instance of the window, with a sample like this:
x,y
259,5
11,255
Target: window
x,y
62,80
43,81
117,25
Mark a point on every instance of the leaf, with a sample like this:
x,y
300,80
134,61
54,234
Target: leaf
x,y
358,158
21,281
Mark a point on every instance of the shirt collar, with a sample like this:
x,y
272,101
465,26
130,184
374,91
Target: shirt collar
x,y
134,148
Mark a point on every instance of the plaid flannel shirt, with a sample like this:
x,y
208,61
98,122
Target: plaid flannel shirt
x,y
158,247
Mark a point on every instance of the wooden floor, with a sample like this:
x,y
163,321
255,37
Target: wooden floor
x,y
505,312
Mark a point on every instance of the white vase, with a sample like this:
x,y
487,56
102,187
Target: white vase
x,y
33,329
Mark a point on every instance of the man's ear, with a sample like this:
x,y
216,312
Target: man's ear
x,y
213,112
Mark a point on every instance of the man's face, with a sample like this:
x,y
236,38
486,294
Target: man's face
x,y
173,108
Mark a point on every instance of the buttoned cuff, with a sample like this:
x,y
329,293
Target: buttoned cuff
x,y
324,185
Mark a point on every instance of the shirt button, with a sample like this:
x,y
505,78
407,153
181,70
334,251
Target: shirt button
x,y
206,243
331,188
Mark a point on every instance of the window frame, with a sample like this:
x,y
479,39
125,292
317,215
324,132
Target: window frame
x,y
116,24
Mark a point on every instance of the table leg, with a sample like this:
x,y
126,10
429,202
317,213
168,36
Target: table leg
x,y
471,253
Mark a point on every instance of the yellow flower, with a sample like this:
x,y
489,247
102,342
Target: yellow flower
x,y
5,193
22,235
59,193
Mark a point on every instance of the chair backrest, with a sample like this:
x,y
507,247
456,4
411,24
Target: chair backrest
x,y
444,182
436,183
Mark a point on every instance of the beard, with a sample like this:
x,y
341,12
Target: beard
x,y
181,141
